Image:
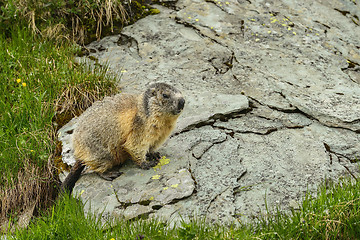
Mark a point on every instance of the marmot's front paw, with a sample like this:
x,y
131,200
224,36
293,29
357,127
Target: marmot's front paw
x,y
148,164
153,156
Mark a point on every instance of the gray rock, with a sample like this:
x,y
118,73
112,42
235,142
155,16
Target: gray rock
x,y
205,106
281,166
65,136
272,107
133,211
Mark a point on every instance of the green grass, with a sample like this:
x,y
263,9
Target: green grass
x,y
40,84
66,220
34,73
333,214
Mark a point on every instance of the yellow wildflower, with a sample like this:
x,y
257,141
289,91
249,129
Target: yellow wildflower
x,y
18,80
24,84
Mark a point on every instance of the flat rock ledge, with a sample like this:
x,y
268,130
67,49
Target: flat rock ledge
x,y
272,107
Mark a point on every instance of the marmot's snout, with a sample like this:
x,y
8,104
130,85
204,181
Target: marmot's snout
x,y
181,104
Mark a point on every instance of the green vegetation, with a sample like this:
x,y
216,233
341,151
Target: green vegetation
x,y
34,74
67,221
39,79
334,214
80,21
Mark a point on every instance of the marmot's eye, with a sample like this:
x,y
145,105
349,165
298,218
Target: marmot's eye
x,y
165,95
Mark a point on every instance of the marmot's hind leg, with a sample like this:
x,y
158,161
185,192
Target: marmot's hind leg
x,y
110,168
106,166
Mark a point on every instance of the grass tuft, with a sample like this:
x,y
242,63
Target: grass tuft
x,y
333,214
36,75
80,21
22,198
64,19
77,97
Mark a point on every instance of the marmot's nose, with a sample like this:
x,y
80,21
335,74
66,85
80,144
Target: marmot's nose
x,y
181,103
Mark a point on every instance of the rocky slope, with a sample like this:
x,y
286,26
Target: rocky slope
x,y
273,106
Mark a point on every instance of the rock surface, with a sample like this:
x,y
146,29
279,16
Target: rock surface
x,y
273,106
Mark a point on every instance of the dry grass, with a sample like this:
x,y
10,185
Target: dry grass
x,y
104,15
74,99
70,20
34,189
81,21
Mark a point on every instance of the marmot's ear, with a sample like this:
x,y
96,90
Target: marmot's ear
x,y
152,88
153,92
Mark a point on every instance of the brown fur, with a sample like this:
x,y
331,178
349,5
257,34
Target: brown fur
x,y
126,126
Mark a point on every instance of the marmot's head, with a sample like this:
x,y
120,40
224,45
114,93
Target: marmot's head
x,y
163,98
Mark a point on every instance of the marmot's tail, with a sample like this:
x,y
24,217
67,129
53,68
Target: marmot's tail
x,y
73,176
